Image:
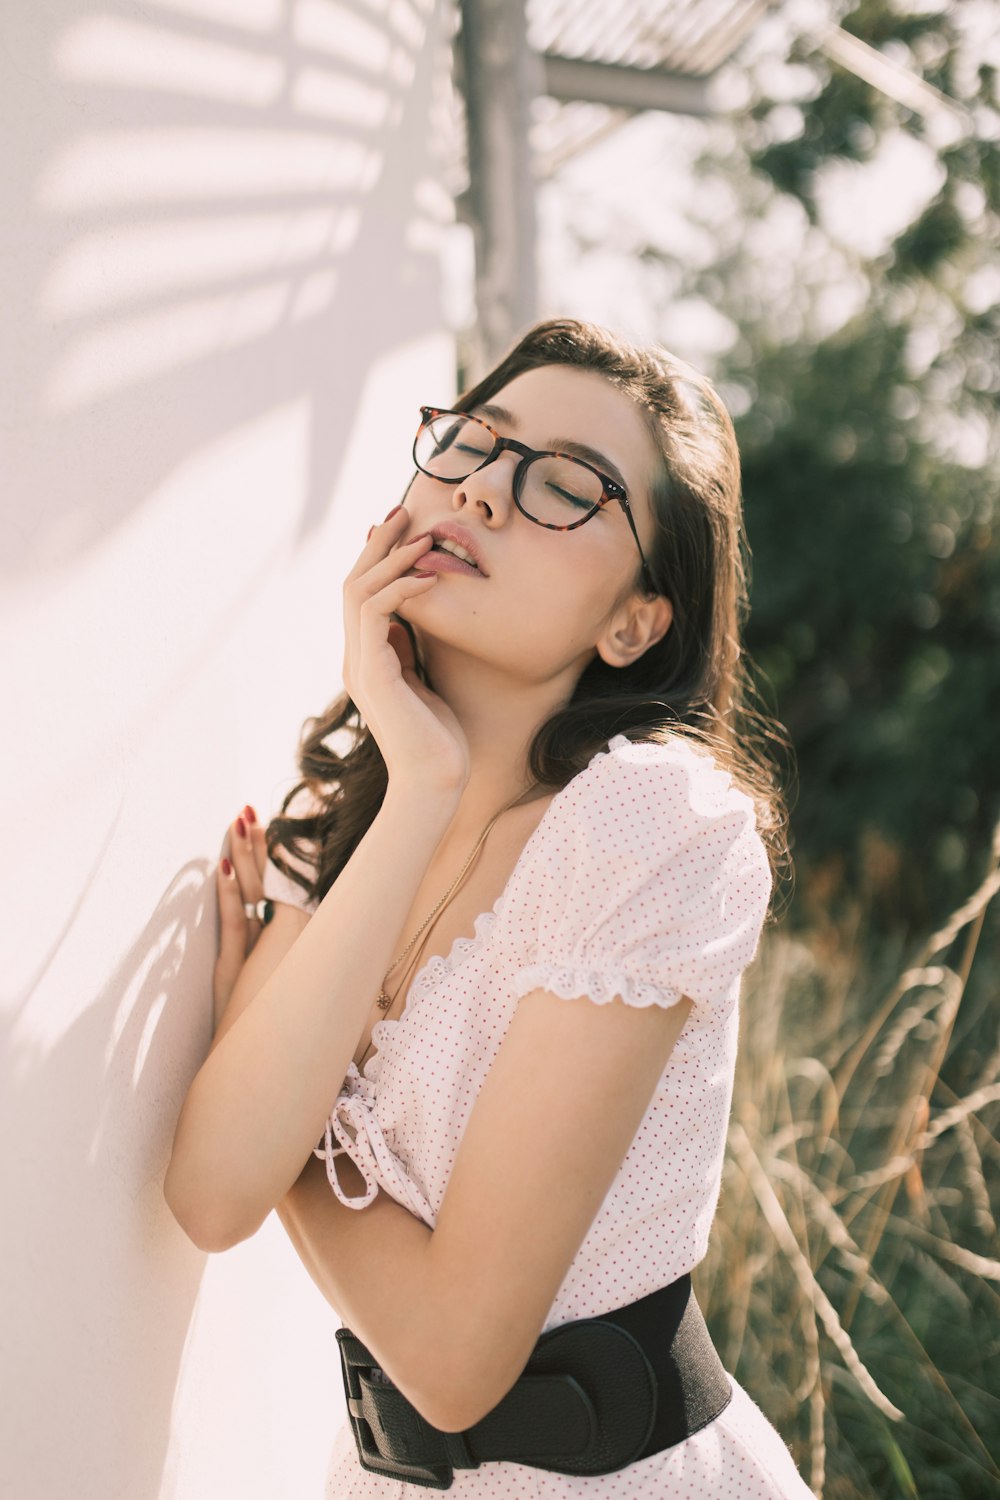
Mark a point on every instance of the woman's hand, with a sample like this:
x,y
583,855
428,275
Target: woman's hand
x,y
420,738
237,932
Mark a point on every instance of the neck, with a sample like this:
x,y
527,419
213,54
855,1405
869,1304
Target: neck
x,y
499,716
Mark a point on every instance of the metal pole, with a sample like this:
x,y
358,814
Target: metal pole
x,y
500,77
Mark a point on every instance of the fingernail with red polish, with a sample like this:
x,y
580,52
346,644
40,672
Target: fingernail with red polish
x,y
241,828
394,512
251,815
227,868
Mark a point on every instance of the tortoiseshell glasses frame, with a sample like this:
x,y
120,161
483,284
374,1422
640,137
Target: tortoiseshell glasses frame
x,y
611,489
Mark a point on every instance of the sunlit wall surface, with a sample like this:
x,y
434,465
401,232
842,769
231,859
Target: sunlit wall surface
x,y
221,308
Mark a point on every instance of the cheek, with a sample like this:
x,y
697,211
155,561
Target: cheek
x,y
559,599
423,496
553,578
573,555
586,569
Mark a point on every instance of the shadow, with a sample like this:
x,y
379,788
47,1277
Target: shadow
x,y
108,1300
201,256
217,215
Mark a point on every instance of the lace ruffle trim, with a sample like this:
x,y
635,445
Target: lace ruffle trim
x,y
601,986
439,965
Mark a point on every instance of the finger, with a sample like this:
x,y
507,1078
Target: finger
x,y
243,856
233,924
398,561
376,608
258,839
378,583
380,538
257,834
373,615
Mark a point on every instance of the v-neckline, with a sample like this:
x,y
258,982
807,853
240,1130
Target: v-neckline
x,y
439,965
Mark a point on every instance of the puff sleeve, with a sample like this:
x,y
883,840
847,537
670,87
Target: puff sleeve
x,y
278,886
653,882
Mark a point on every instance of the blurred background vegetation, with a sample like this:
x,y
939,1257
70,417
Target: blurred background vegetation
x,y
877,559
871,482
854,1279
871,465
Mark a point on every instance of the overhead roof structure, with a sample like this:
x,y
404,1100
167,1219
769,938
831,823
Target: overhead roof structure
x,y
687,35
654,54
634,55
596,64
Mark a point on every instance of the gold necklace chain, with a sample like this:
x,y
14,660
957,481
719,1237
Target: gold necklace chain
x,y
384,1000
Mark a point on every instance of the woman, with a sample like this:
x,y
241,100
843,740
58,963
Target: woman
x,y
511,910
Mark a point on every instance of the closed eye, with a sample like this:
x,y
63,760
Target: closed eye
x,y
573,499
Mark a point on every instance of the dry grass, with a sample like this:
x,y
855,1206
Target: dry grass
x,y
853,1281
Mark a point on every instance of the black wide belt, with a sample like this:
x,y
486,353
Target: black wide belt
x,y
595,1395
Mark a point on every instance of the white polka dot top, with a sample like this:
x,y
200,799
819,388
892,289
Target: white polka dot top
x,y
645,879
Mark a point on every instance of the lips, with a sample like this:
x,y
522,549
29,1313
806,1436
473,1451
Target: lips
x,y
445,562
450,531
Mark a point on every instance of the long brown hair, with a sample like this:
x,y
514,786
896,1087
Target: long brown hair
x,y
694,682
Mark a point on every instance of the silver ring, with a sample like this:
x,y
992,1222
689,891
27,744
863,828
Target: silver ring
x,y
263,910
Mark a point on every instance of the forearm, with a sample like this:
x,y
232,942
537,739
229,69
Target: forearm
x,y
259,1101
374,1267
367,1262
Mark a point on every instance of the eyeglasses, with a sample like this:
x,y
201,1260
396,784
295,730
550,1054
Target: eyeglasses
x,y
556,490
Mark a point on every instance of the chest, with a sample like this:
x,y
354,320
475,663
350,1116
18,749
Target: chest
x,y
477,892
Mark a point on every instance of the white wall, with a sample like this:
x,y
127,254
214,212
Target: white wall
x,y
221,307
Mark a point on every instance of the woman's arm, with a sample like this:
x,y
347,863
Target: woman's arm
x,y
285,926
452,1314
371,1265
261,1097
258,1103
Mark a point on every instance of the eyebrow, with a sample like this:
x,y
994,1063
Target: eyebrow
x,y
561,445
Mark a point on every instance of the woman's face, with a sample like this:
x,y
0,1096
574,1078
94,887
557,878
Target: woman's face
x,y
546,599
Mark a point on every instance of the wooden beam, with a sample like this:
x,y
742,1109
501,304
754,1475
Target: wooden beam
x,y
500,77
623,87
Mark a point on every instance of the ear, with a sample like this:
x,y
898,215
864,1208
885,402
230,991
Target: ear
x,y
639,624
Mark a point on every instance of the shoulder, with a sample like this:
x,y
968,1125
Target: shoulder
x,y
651,799
651,880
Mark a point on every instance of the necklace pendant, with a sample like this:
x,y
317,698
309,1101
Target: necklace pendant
x,y
383,1002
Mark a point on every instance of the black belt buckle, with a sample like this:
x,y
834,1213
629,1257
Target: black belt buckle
x,y
596,1395
386,1426
585,1404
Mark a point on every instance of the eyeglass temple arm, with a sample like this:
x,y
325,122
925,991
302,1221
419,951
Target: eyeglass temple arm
x,y
647,572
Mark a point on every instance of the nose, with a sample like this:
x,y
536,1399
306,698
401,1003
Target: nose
x,y
491,487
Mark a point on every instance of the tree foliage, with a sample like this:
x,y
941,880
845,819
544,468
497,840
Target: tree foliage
x,y
871,474
858,355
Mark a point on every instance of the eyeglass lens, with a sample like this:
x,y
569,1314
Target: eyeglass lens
x,y
556,489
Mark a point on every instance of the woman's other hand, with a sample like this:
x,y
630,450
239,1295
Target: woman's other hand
x,y
421,740
237,932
